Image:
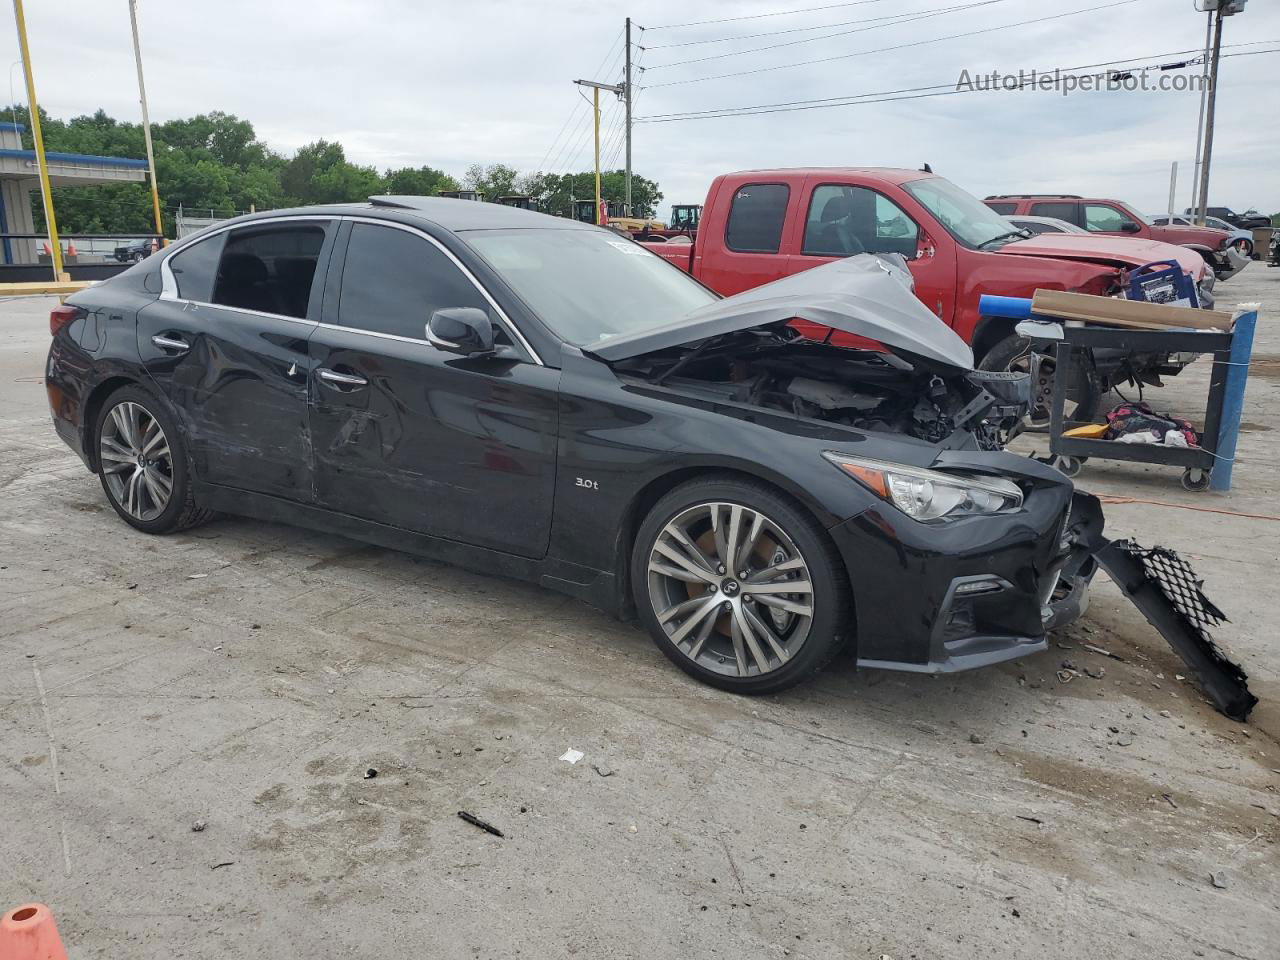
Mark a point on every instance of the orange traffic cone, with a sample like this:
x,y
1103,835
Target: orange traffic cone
x,y
46,249
27,933
71,248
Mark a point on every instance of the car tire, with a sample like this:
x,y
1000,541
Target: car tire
x,y
1085,392
138,257
748,645
142,463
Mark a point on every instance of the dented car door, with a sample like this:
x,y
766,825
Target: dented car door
x,y
226,342
406,434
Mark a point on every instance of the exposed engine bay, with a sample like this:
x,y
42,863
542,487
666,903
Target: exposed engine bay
x,y
775,368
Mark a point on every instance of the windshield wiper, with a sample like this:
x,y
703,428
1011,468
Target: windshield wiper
x,y
1024,234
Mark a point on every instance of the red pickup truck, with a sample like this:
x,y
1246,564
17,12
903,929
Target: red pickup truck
x,y
762,225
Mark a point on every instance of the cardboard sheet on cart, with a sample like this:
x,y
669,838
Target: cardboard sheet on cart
x,y
1137,314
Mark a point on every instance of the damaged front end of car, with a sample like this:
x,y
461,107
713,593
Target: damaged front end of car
x,y
1001,548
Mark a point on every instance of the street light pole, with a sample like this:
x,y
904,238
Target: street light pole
x,y
615,88
1208,118
1221,9
46,190
1204,95
627,89
146,120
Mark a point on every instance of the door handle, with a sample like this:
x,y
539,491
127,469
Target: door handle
x,y
170,343
340,380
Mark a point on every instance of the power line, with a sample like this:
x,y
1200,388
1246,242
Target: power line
x,y
892,22
576,107
761,16
901,46
890,96
938,86
772,33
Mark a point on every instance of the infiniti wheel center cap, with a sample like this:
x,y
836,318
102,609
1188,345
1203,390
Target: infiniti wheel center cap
x,y
730,588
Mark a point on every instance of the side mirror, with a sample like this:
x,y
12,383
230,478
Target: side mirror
x,y
464,330
1128,226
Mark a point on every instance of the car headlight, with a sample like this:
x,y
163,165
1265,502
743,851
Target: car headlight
x,y
930,495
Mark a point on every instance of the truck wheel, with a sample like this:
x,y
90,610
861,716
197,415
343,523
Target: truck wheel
x,y
1083,396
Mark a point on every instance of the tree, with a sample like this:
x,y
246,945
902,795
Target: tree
x,y
555,192
494,181
417,182
321,173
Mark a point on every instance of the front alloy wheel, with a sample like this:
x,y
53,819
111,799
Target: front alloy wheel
x,y
137,462
738,586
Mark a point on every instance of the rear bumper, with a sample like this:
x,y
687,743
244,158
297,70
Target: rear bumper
x,y
930,599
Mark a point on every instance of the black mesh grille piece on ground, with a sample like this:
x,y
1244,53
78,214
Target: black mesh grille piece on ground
x,y
1165,588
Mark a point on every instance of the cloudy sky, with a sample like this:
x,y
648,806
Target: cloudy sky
x,y
402,83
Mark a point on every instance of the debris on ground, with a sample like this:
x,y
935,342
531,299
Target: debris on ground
x,y
1218,879
1102,652
224,863
603,769
1036,820
974,738
476,821
198,826
370,773
572,756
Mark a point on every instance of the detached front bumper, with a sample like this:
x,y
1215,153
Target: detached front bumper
x,y
940,599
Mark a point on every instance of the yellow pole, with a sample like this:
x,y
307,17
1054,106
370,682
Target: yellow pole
x,y
595,91
146,121
46,191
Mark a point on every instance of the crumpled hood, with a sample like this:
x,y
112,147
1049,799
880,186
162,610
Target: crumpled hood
x,y
864,295
1117,251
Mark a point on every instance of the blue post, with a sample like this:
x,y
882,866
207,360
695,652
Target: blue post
x,y
1233,399
1018,308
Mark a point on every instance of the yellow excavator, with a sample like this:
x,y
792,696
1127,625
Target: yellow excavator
x,y
615,215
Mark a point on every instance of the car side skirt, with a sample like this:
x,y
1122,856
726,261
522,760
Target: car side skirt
x,y
598,588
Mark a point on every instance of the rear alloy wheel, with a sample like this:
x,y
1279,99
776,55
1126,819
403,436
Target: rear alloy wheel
x,y
738,586
142,465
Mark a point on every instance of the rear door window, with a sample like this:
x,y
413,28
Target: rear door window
x,y
756,218
844,220
393,280
270,269
195,267
1058,209
1003,207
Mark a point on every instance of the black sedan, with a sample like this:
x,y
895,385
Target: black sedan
x,y
547,400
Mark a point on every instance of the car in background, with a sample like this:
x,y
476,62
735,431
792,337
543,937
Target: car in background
x,y
134,252
1103,216
1036,225
1241,238
1245,221
546,400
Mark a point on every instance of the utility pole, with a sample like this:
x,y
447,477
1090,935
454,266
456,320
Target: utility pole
x,y
1204,95
46,191
146,120
614,88
1173,187
1222,8
627,93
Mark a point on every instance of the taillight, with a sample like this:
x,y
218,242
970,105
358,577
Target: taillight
x,y
59,317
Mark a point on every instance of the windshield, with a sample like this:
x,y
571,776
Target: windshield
x,y
965,217
587,285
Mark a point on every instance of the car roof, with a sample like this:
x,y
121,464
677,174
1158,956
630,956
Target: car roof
x,y
445,212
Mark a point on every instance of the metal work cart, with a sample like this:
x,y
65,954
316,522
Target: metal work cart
x,y
1204,466
1197,462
